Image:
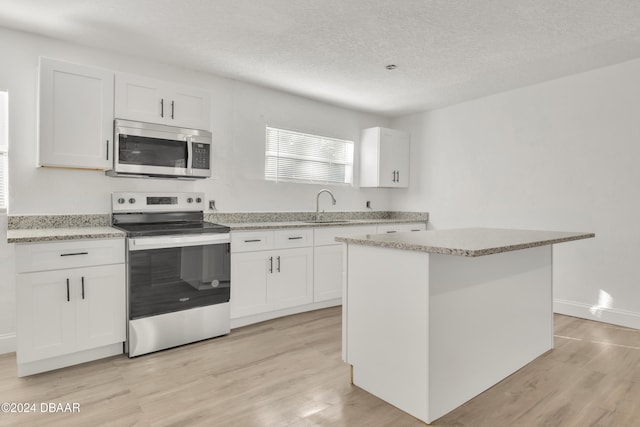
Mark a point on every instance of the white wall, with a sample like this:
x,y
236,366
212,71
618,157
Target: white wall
x,y
239,114
561,155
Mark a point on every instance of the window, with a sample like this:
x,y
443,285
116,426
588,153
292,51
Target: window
x,y
300,157
4,145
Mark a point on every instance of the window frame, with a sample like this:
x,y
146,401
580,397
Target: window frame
x,y
348,146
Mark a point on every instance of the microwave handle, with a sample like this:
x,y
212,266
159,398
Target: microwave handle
x,y
189,154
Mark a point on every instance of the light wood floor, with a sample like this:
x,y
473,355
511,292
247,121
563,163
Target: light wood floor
x,y
288,372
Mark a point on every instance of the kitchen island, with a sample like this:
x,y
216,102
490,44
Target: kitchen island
x,y
433,318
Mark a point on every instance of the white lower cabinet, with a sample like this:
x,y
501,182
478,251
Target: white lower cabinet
x,y
69,315
328,261
328,265
280,272
65,311
291,282
274,279
249,275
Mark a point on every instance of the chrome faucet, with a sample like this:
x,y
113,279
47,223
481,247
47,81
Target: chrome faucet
x,y
333,200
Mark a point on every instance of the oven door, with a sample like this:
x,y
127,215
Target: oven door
x,y
174,273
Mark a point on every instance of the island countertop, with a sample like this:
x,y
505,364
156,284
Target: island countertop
x,y
469,242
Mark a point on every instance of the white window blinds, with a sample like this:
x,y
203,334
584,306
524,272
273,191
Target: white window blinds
x,y
4,124
300,157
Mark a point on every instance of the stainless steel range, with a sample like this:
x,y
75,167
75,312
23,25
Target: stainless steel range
x,y
178,270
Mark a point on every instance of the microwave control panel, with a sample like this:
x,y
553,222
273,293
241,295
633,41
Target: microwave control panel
x,y
201,156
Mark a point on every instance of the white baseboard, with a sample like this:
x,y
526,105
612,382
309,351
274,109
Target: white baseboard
x,y
629,319
7,343
256,318
65,360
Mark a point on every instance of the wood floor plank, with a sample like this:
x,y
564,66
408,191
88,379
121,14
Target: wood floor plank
x,y
288,372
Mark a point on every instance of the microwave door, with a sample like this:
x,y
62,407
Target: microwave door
x,y
146,154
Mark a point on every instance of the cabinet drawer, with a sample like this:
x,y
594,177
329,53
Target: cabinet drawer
x,y
71,254
293,238
401,228
327,235
247,241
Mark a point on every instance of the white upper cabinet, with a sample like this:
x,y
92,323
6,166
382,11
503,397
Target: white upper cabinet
x,y
384,158
75,122
143,99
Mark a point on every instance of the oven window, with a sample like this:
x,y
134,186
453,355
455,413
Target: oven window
x,y
173,279
140,150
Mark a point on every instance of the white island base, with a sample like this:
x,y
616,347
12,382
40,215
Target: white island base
x,y
426,332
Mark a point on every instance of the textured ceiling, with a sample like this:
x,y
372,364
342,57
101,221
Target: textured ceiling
x,y
446,51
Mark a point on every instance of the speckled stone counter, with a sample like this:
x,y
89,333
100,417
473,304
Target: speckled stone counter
x,y
278,220
243,226
470,242
30,235
44,228
40,228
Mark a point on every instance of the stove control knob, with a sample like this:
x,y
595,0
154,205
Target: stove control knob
x,y
190,200
120,200
198,200
132,200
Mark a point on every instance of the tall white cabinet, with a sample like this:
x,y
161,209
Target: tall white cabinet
x,y
75,121
384,158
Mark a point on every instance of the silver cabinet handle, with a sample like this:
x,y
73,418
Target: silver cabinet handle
x,y
68,299
162,107
82,287
253,240
416,229
295,238
107,149
75,253
172,108
278,264
270,264
398,175
392,231
394,177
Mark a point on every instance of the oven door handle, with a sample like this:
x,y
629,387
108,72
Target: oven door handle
x,y
159,242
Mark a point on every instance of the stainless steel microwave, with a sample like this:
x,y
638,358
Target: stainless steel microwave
x,y
152,150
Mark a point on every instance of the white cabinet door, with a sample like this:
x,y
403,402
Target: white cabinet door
x,y
138,98
64,311
191,108
100,306
291,283
327,272
249,273
384,158
45,315
75,122
148,100
394,158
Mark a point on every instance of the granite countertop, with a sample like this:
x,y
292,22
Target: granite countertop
x,y
245,226
30,235
470,242
43,228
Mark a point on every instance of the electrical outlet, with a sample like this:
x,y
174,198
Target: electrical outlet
x,y
212,205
